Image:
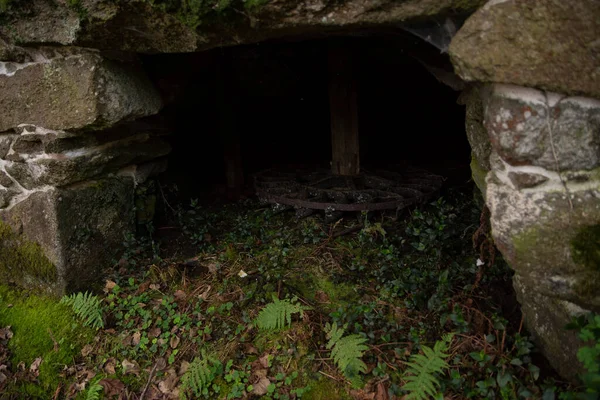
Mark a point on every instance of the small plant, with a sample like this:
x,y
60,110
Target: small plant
x,y
346,351
196,382
278,314
93,392
420,374
87,307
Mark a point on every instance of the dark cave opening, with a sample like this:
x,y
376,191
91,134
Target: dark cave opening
x,y
270,101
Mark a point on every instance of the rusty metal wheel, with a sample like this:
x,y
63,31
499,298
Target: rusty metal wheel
x,y
319,189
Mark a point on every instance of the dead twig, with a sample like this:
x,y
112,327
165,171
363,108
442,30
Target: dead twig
x,y
148,383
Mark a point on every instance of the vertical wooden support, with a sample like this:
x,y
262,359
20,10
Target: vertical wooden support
x,y
234,173
343,107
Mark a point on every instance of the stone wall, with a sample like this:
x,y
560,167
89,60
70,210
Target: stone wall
x,y
538,158
75,139
72,149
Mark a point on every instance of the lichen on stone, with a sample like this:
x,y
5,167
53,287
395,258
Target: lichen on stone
x,y
23,261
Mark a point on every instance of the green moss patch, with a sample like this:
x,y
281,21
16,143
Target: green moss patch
x,y
585,247
23,261
42,328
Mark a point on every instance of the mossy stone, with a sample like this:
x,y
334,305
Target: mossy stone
x,y
585,247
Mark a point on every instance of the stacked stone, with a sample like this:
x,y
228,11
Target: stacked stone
x,y
534,127
73,145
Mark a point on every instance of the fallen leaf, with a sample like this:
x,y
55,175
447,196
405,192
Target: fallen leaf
x,y
112,387
109,286
161,363
109,366
260,387
6,333
184,367
264,360
261,373
321,296
130,367
135,340
167,385
381,392
154,332
143,287
87,349
174,341
179,295
35,366
154,286
250,349
204,295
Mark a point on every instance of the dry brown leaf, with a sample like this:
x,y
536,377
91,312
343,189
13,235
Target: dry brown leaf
x,y
87,349
250,349
135,339
179,295
161,364
6,333
174,341
184,367
260,387
321,296
130,367
109,286
167,386
204,295
35,366
154,332
264,360
109,366
112,387
381,393
261,373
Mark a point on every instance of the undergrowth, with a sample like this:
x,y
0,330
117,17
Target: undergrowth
x,y
267,306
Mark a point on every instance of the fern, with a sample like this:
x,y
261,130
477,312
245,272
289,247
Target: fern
x,y
278,314
420,374
87,307
199,376
93,392
346,351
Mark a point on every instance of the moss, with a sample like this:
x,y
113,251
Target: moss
x,y
23,261
478,174
526,241
195,13
585,247
35,320
467,5
325,389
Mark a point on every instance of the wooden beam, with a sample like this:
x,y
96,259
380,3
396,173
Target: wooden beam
x,y
343,109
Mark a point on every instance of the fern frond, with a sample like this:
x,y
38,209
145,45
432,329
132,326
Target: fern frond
x,y
346,351
278,314
86,306
199,376
421,382
93,392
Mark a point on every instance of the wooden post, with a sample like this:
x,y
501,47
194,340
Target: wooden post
x,y
226,103
343,109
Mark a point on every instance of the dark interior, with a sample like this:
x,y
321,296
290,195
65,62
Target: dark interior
x,y
273,96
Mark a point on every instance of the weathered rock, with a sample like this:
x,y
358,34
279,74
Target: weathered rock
x,y
152,27
523,180
59,169
530,127
81,90
546,318
79,228
476,131
547,44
